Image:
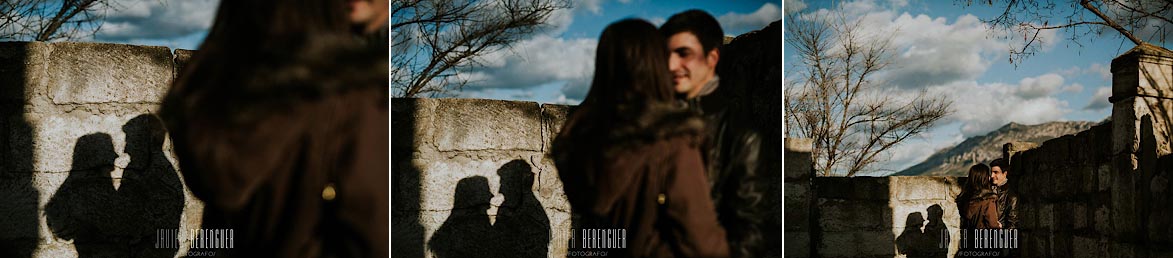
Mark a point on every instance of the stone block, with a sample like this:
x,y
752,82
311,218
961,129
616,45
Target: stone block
x,y
1125,126
412,125
553,117
797,244
1085,247
1103,137
1124,217
798,207
479,124
182,58
1104,177
918,188
852,188
1047,217
1083,152
1103,222
1087,178
89,73
857,244
22,70
849,215
19,208
1121,250
799,162
1079,216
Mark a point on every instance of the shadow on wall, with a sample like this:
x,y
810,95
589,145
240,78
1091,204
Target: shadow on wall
x,y
104,221
408,236
931,241
521,230
18,198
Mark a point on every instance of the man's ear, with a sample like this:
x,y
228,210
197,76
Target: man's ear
x,y
713,56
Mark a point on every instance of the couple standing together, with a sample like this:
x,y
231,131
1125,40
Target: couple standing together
x,y
988,201
649,152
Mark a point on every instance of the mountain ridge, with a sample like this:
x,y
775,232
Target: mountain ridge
x,y
956,160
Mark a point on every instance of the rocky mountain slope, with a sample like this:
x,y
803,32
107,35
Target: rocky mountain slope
x,y
956,160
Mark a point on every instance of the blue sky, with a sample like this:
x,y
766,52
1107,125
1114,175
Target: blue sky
x,y
555,66
171,23
944,48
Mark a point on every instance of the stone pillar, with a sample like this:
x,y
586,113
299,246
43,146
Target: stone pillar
x,y
799,169
1142,109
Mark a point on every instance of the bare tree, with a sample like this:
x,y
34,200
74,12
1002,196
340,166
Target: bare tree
x,y
432,40
833,98
47,20
1138,21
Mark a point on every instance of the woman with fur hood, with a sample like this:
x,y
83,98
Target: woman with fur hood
x,y
629,155
279,123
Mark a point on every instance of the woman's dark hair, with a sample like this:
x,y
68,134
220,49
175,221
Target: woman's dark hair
x,y
260,53
631,97
977,183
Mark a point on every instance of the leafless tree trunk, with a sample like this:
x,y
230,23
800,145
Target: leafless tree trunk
x,y
47,20
832,96
432,40
1139,21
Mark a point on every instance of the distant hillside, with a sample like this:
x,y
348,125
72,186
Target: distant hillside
x,y
955,161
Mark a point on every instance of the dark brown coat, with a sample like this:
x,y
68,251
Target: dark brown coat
x,y
979,211
622,193
263,168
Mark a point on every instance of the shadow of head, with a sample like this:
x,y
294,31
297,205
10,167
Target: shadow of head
x,y
144,134
93,155
473,193
914,221
936,213
517,178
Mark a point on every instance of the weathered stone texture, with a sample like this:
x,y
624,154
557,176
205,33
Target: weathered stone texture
x,y
88,73
54,94
439,143
479,124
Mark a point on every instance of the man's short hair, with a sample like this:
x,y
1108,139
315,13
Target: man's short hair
x,y
699,23
1000,163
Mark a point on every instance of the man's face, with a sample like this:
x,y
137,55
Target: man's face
x,y
369,14
691,67
998,175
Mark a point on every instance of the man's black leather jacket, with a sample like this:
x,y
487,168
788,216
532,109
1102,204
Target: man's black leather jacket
x,y
731,160
1007,206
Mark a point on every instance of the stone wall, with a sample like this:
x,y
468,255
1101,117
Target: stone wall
x,y
799,199
454,163
85,168
1104,192
460,168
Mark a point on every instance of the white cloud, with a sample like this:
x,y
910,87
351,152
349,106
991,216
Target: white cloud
x,y
1104,71
1041,86
735,22
593,6
153,19
981,108
539,60
1099,100
793,6
658,21
928,50
933,52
